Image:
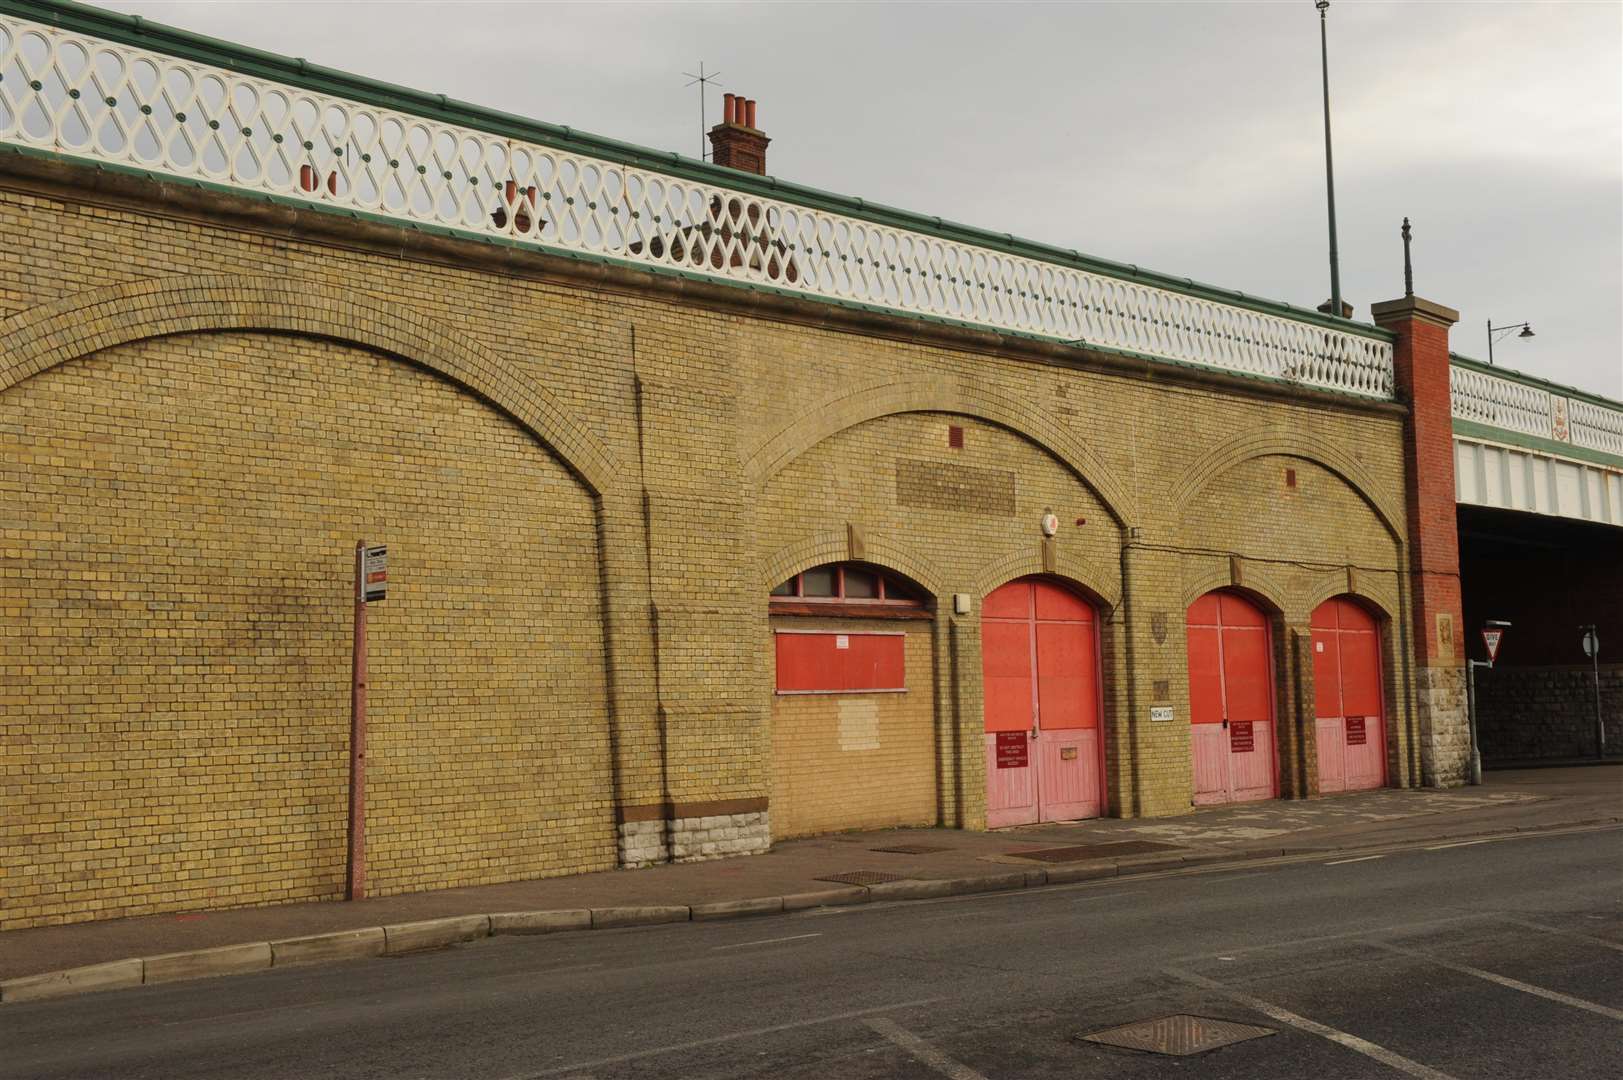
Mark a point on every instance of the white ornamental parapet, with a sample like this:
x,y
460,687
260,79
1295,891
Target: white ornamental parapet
x,y
1531,407
137,106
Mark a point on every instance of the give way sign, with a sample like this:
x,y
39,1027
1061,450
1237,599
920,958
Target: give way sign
x,y
1490,639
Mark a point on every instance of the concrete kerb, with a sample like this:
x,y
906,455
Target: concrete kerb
x,y
403,938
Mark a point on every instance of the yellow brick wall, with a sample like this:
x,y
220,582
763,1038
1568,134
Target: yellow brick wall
x,y
179,523
630,470
856,761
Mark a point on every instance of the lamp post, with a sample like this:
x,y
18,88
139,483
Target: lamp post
x,y
1525,328
1329,164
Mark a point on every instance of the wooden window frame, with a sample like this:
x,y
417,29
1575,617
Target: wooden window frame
x,y
883,606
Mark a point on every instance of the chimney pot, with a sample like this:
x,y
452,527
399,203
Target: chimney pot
x,y
735,142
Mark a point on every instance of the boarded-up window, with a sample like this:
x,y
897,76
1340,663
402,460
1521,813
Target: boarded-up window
x,y
816,662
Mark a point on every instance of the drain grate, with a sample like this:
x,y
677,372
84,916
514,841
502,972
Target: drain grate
x,y
910,849
862,877
1179,1035
1093,851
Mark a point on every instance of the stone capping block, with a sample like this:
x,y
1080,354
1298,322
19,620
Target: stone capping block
x,y
202,963
729,909
638,916
540,922
80,980
434,933
328,948
851,894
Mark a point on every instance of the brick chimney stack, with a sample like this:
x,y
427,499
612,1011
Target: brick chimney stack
x,y
736,142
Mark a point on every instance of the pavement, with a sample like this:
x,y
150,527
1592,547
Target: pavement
x,y
1508,802
1497,957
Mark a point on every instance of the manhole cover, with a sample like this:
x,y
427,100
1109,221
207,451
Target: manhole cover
x,y
1093,851
862,877
1178,1035
909,849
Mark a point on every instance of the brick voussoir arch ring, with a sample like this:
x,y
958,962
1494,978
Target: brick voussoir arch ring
x,y
832,546
1077,568
42,337
1258,582
1286,443
889,397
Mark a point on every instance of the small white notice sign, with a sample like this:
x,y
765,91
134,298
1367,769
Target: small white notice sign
x,y
1160,713
841,641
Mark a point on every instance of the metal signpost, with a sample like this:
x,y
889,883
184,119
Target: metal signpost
x,y
1592,650
1492,632
371,585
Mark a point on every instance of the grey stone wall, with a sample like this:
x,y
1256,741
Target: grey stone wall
x,y
1539,713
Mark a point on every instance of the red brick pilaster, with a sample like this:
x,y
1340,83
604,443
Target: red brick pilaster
x,y
1420,362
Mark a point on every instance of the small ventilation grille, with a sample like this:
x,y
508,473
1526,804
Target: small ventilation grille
x,y
1179,1035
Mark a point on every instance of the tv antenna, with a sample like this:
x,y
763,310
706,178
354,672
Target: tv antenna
x,y
702,80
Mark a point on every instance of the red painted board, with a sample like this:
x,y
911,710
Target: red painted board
x,y
835,663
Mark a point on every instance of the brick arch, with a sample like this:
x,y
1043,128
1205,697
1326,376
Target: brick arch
x,y
832,546
1379,601
1259,587
874,400
1076,568
1283,442
42,337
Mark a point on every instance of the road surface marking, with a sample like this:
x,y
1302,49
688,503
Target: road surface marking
x,y
764,941
1565,933
1361,858
564,1070
1468,843
922,1051
1502,980
1313,1027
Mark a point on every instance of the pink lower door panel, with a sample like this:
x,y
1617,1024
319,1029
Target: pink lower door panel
x,y
1211,748
1332,755
1365,761
1069,773
1011,791
1252,771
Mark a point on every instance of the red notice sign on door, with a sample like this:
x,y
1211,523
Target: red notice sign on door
x,y
1012,750
1356,735
1241,738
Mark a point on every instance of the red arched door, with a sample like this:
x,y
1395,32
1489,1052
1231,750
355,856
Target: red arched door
x,y
1347,694
1040,671
1231,700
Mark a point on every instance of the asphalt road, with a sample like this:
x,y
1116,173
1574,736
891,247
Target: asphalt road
x,y
1487,959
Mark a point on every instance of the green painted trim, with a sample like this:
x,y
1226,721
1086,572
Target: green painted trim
x,y
142,33
1488,433
661,271
1560,389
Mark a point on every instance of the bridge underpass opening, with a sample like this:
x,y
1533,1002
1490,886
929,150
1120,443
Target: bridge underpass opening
x,y
1548,577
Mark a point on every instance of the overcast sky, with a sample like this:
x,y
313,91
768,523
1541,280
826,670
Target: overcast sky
x,y
1185,137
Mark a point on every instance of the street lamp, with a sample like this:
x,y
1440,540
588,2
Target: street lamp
x,y
1329,164
1525,328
